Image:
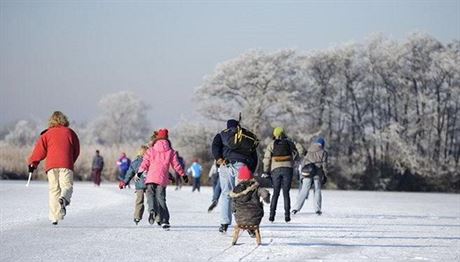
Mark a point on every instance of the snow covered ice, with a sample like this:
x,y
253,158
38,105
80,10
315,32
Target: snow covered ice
x,y
355,226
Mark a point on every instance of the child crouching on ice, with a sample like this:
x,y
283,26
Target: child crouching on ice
x,y
247,206
140,184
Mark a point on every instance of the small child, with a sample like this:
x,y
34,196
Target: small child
x,y
140,184
247,206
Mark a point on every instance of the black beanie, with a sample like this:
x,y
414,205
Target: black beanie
x,y
232,123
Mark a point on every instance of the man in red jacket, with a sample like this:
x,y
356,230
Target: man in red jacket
x,y
60,146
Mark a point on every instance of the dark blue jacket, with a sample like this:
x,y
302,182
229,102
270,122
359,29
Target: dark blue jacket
x,y
219,150
132,171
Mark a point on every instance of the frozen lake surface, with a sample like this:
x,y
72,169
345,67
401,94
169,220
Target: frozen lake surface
x,y
355,226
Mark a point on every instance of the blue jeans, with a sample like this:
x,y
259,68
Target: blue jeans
x,y
227,175
303,194
216,190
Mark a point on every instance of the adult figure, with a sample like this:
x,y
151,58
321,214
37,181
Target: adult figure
x,y
279,158
230,157
60,146
96,168
317,156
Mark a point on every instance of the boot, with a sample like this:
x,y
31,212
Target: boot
x,y
212,206
223,228
62,203
151,217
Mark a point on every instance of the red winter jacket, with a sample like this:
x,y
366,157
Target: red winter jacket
x,y
59,145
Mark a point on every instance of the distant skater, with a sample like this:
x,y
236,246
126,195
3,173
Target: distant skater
x,y
195,169
96,168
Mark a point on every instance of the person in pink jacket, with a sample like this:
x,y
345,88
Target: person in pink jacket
x,y
156,162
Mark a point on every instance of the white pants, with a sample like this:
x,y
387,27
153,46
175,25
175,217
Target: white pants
x,y
60,184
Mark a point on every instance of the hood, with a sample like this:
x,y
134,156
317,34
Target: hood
x,y
250,186
161,145
315,147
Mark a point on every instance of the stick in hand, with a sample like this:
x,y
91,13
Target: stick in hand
x,y
31,170
28,180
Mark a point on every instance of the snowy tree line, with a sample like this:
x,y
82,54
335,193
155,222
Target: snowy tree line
x,y
389,110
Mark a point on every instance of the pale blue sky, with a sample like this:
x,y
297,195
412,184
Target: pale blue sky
x,y
65,55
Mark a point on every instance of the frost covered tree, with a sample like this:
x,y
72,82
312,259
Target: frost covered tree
x,y
262,86
24,133
387,108
193,140
122,119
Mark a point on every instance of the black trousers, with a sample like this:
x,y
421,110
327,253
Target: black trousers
x,y
281,179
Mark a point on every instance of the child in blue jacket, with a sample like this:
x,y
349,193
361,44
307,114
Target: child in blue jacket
x,y
139,184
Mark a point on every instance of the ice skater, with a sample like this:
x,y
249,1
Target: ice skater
x,y
60,146
316,175
139,186
156,162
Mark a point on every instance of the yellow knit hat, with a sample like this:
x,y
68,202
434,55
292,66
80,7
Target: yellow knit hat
x,y
278,132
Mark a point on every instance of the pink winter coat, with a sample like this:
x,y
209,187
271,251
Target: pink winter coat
x,y
157,160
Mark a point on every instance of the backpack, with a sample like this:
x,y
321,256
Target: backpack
x,y
281,150
309,170
240,140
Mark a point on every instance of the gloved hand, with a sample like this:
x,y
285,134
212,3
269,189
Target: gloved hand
x,y
137,177
122,184
31,168
220,162
324,180
185,179
171,177
265,175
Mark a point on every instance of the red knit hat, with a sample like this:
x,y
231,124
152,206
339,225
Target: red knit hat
x,y
162,134
244,174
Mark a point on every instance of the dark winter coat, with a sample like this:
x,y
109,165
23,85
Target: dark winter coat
x,y
219,150
132,171
247,205
98,162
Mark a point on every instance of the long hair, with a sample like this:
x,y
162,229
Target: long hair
x,y
58,119
142,149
